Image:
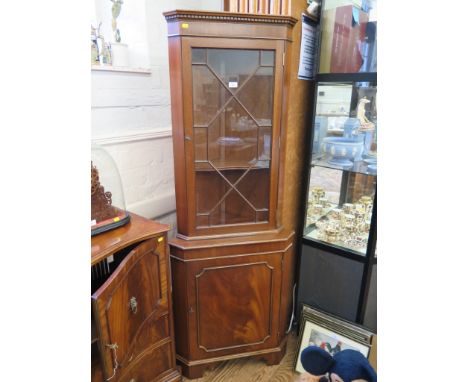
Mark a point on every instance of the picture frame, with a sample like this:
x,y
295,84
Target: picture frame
x,y
331,334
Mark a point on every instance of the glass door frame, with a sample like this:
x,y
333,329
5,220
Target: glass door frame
x,y
188,120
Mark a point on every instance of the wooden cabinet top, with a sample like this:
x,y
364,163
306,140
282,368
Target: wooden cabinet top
x,y
139,228
182,14
187,23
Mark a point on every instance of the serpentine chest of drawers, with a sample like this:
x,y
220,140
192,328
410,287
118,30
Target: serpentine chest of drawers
x,y
132,335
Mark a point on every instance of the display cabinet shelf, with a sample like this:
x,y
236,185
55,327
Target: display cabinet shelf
x,y
363,167
221,166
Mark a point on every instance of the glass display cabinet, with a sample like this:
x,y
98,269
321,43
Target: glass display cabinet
x,y
338,264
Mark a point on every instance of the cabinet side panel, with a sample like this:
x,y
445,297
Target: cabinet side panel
x,y
175,69
283,134
296,117
287,274
179,294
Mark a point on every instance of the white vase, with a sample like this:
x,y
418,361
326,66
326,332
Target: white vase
x,y
119,54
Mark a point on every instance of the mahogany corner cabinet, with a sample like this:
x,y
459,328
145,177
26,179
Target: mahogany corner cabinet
x,y
232,261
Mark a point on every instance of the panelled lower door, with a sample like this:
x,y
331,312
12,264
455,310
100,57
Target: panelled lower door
x,y
232,125
234,304
131,310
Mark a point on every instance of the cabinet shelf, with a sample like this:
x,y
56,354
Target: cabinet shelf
x,y
232,165
361,167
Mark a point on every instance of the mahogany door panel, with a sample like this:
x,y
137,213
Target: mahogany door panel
x,y
233,304
151,365
131,307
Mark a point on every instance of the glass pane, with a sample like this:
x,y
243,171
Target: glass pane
x,y
257,96
233,66
203,220
267,58
210,188
264,145
339,208
235,196
232,138
262,216
345,127
209,95
198,56
200,143
349,37
233,210
233,149
254,186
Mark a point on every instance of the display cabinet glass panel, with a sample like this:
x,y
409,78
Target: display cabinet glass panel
x,y
345,127
339,208
232,113
349,36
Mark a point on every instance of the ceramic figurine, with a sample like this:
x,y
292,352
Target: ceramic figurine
x,y
361,115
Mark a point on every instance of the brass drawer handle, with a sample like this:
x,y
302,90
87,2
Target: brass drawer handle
x,y
133,305
133,380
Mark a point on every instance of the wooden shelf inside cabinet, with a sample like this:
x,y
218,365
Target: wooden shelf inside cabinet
x,y
232,165
132,304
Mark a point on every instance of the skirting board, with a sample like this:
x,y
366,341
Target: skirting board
x,y
155,207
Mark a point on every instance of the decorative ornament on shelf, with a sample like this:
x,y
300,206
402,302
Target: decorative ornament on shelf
x,y
104,48
101,200
94,46
366,125
118,49
368,130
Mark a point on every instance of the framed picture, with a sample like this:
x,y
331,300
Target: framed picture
x,y
331,334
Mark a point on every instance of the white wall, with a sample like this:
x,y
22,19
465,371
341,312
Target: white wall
x,y
131,112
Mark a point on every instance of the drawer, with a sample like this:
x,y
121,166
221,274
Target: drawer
x,y
150,366
131,307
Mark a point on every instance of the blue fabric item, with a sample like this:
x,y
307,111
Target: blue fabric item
x,y
348,364
316,361
351,365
